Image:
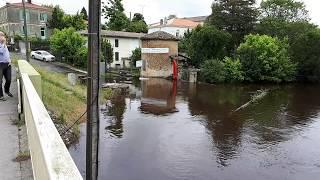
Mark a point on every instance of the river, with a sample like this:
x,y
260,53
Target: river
x,y
180,131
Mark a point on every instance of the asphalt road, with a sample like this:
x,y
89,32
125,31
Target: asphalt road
x,y
49,66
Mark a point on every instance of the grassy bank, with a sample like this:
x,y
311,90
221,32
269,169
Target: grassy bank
x,y
65,102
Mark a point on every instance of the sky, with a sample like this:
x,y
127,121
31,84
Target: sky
x,y
154,10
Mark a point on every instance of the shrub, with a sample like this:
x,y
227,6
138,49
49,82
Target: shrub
x,y
212,71
67,43
39,44
81,58
232,70
136,56
266,59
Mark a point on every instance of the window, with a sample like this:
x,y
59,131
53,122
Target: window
x,y
178,33
43,17
116,42
22,15
43,32
116,56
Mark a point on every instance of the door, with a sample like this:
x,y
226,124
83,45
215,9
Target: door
x,y
43,33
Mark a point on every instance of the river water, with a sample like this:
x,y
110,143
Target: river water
x,y
180,131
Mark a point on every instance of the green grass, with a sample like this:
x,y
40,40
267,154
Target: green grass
x,y
67,102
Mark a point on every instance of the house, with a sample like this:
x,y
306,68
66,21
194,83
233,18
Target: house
x,y
12,19
157,48
177,26
123,43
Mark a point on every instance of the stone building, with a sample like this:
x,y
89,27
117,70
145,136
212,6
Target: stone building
x,y
12,19
157,48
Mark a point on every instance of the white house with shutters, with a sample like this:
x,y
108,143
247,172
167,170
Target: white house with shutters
x,y
123,43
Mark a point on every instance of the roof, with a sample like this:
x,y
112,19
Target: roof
x,y
178,22
120,34
160,35
197,18
29,6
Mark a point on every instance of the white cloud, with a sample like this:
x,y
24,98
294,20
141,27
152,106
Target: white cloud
x,y
154,10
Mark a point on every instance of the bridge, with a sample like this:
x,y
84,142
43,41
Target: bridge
x,y
50,158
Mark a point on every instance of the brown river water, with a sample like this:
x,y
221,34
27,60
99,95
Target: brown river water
x,y
180,131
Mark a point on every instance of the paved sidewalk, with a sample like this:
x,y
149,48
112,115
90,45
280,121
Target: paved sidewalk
x,y
10,144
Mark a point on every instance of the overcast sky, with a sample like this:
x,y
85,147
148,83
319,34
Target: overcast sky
x,y
154,10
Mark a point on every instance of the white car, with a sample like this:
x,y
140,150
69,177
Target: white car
x,y
42,55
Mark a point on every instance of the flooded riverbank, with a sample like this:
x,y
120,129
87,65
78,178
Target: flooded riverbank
x,y
165,130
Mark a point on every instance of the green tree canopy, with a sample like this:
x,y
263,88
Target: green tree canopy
x,y
74,21
284,10
69,44
305,51
206,43
56,21
237,17
265,58
137,17
84,13
137,24
114,13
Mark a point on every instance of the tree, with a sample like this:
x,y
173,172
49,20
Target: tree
x,y
185,42
137,24
69,44
137,17
114,13
138,27
284,10
75,21
107,51
305,51
84,13
212,71
136,56
206,43
237,17
56,21
265,58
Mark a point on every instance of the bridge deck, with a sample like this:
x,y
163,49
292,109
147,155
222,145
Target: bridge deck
x,y
10,144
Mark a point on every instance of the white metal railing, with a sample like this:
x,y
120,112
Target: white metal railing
x,y
49,155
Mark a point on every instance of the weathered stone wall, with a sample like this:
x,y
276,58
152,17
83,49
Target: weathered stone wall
x,y
158,65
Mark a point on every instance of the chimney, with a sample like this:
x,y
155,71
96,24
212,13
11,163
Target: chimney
x,y
29,1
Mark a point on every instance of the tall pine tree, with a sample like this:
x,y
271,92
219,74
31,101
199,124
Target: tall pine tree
x,y
237,17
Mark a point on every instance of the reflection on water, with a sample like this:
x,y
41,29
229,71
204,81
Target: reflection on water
x,y
158,96
187,131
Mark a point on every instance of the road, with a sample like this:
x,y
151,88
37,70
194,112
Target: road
x,y
49,66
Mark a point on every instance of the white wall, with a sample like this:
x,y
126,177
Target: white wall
x,y
126,46
170,30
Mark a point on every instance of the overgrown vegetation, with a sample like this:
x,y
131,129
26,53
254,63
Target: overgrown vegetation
x,y
67,102
60,20
68,45
266,59
277,45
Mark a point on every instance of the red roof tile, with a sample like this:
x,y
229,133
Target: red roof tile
x,y
30,6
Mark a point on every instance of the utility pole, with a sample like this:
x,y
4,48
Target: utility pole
x,y
25,29
93,89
